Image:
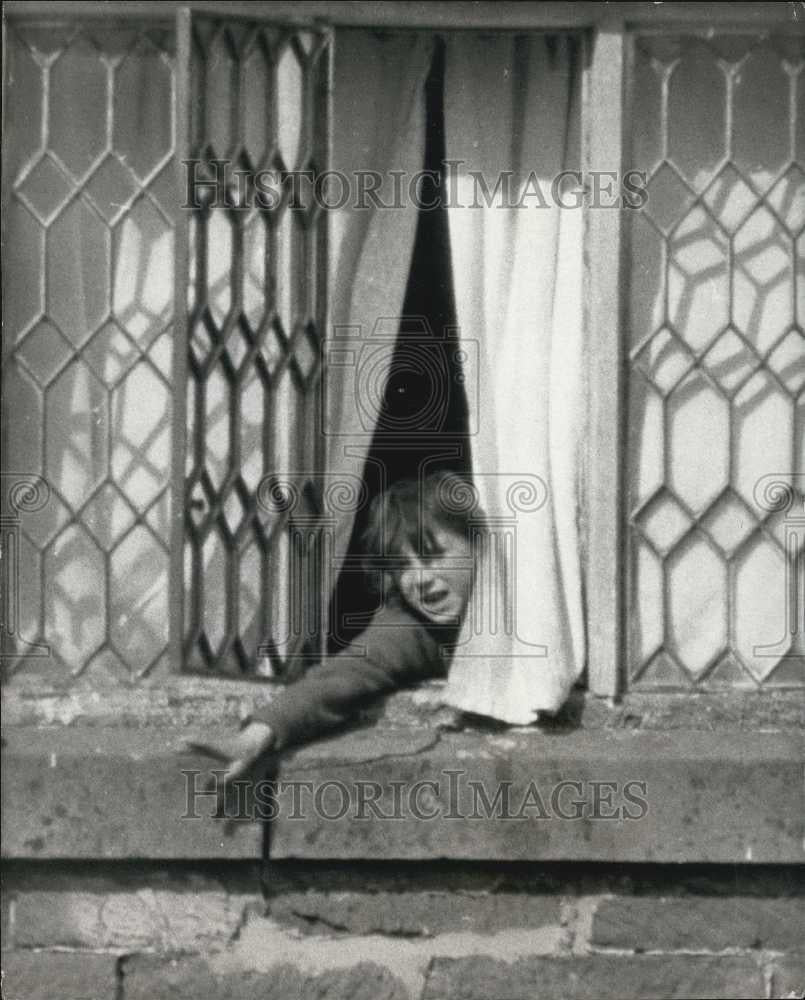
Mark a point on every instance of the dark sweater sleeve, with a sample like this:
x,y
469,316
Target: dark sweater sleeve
x,y
328,695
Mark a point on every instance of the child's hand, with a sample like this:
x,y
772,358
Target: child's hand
x,y
240,753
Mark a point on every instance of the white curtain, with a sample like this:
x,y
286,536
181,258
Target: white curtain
x,y
510,106
380,114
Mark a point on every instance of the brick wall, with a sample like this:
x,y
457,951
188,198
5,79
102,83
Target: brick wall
x,y
99,779
433,931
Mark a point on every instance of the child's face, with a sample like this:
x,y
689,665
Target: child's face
x,y
438,585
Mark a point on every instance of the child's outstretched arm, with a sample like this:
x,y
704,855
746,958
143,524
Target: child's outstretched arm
x,y
398,650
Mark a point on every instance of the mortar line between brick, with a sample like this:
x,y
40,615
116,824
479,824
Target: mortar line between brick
x,y
766,961
567,921
733,952
582,910
242,921
12,920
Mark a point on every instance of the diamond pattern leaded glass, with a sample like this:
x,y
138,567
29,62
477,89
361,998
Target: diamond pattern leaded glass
x,y
88,297
717,364
256,312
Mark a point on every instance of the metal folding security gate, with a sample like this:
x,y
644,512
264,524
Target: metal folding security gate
x,y
251,273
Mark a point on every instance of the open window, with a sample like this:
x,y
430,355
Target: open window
x,y
173,494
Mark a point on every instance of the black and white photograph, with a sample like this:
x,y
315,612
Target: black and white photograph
x,y
402,505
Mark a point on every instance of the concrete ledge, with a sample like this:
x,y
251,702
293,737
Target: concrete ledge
x,y
185,700
122,793
709,797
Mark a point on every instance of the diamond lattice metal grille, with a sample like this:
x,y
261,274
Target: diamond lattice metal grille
x,y
257,311
717,362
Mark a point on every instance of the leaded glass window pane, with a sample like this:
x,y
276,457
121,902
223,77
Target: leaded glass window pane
x,y
88,297
717,364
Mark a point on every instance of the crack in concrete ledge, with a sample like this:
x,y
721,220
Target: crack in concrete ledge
x,y
370,758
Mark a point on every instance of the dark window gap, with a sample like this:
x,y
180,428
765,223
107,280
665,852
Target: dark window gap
x,y
423,420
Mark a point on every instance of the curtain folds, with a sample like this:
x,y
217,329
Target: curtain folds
x,y
380,110
511,119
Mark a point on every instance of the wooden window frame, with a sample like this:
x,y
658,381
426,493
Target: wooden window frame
x,y
605,114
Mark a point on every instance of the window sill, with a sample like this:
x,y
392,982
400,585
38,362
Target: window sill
x,y
177,701
713,793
